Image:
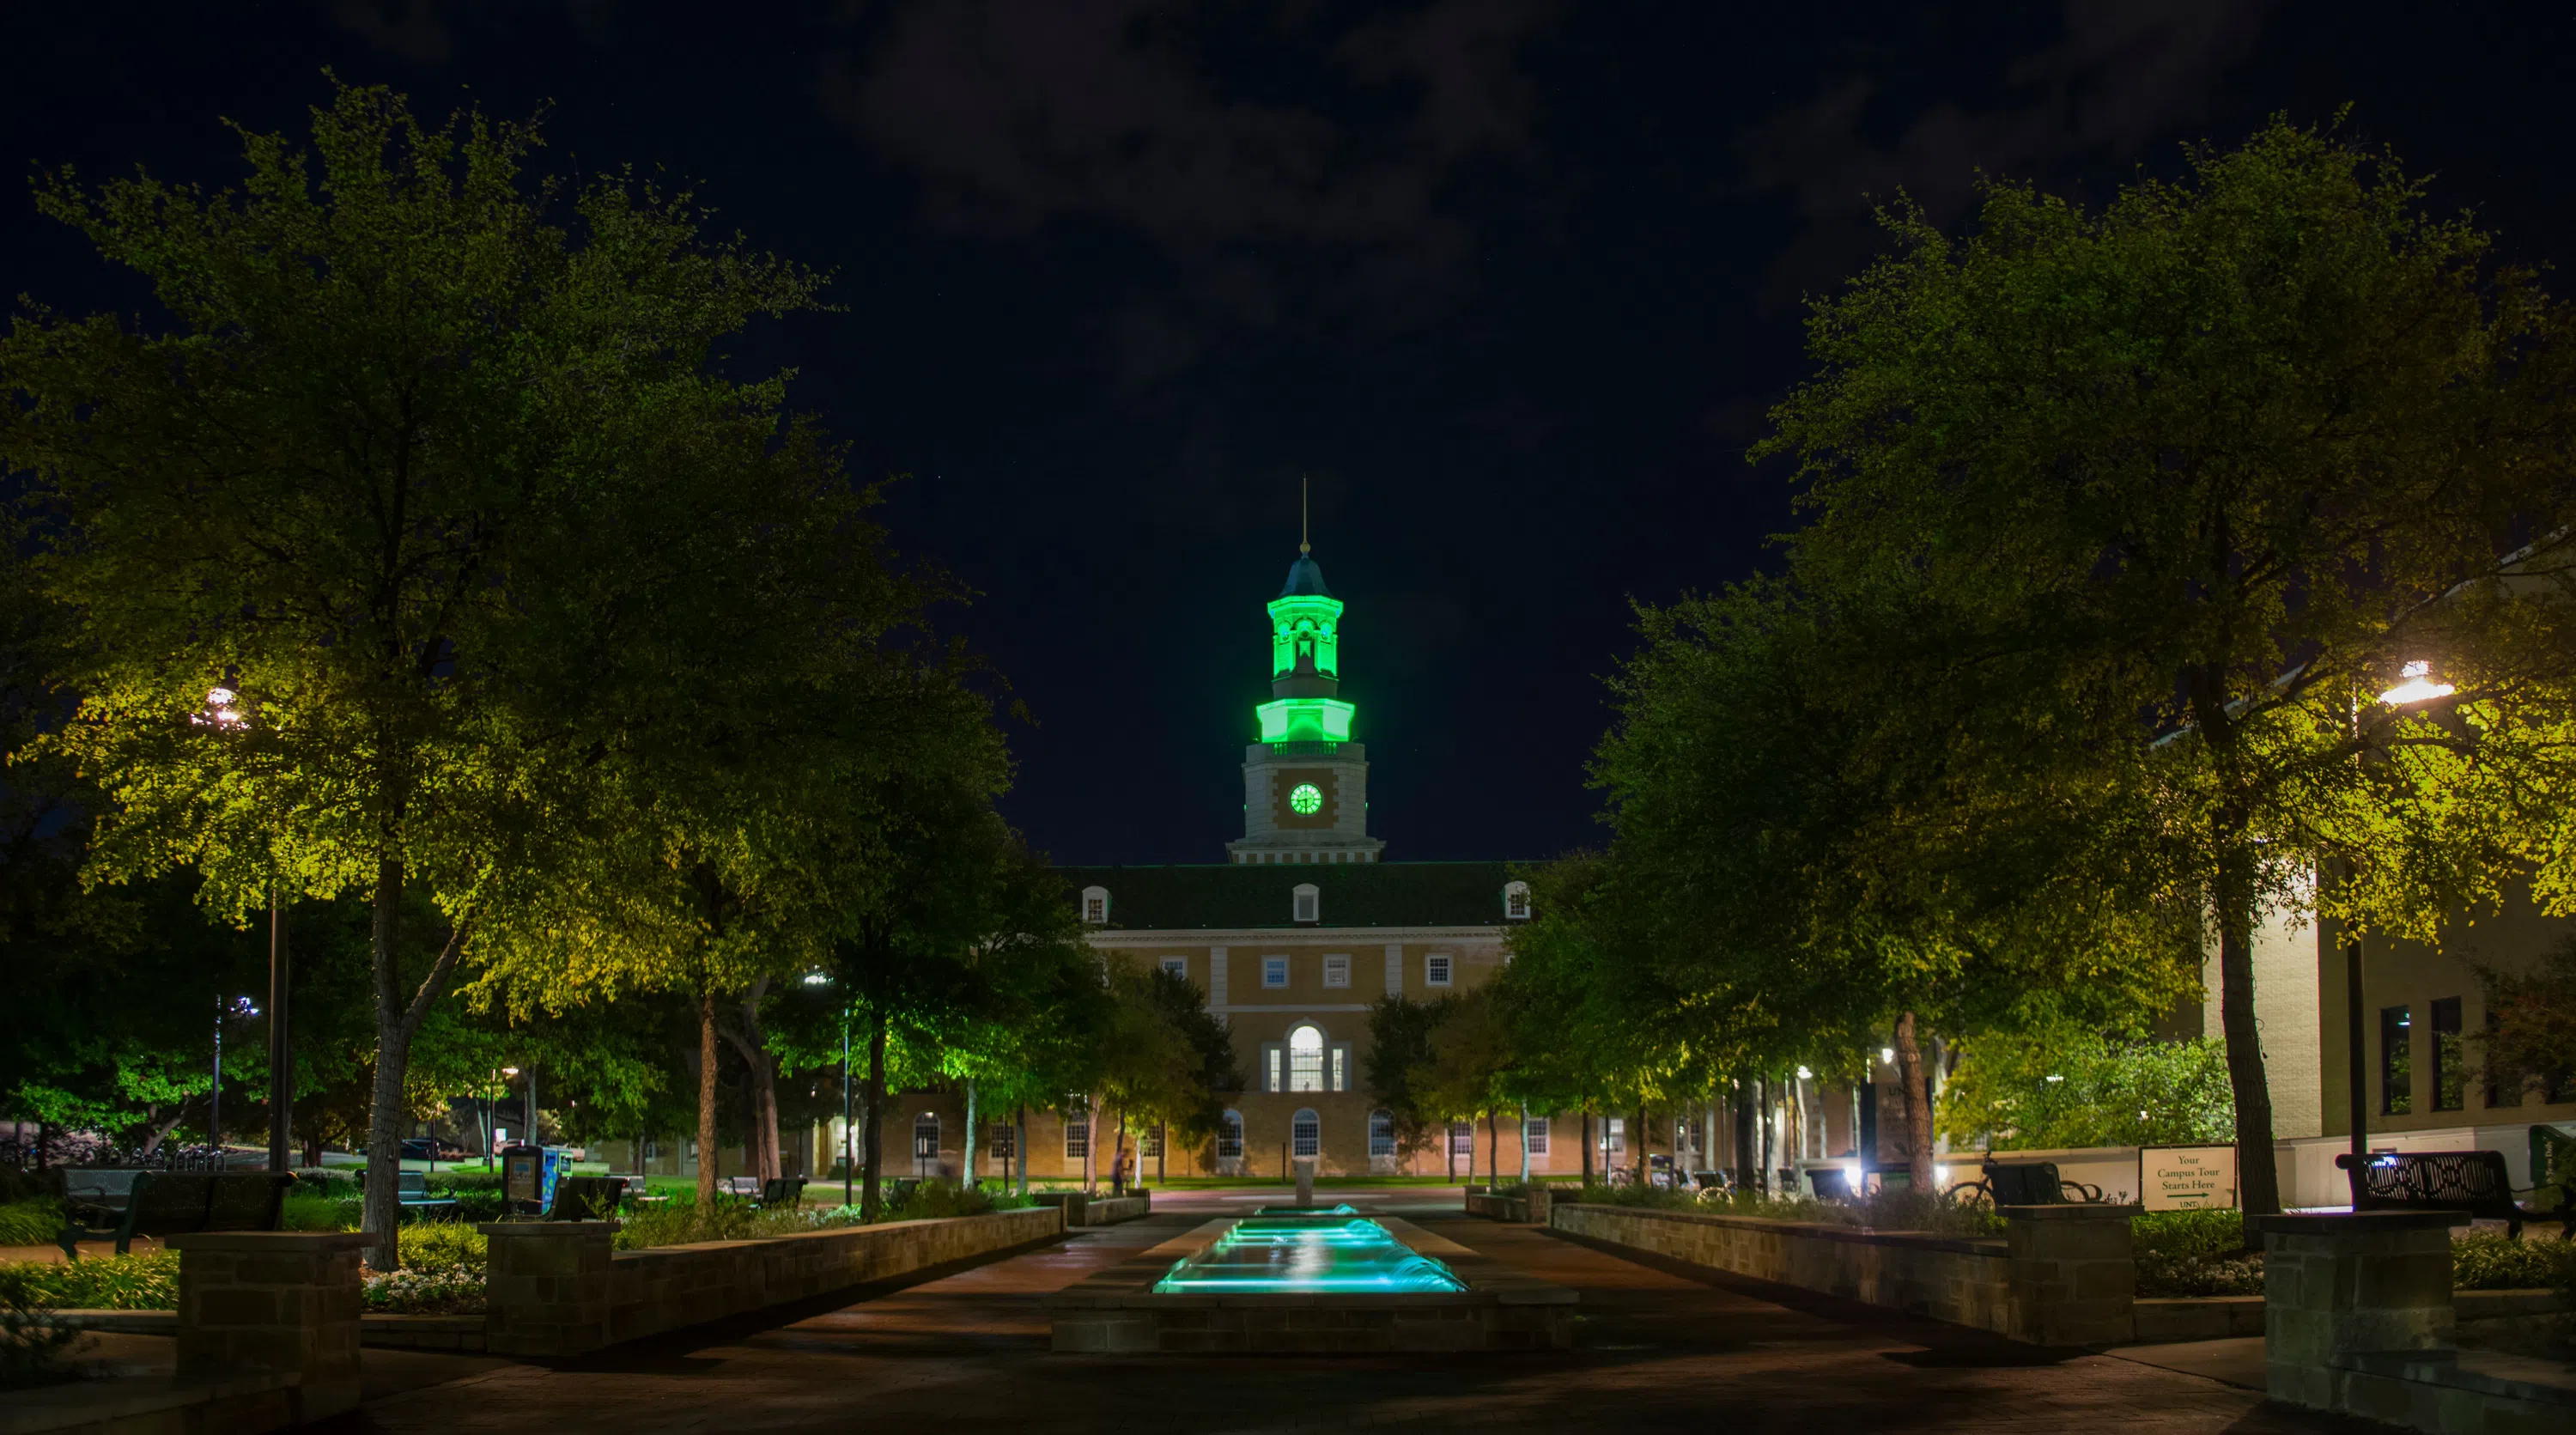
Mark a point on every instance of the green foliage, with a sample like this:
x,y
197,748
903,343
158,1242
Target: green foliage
x,y
2065,1085
429,1244
143,1280
31,1350
305,1210
936,1200
30,1223
2532,1039
2492,1260
425,1290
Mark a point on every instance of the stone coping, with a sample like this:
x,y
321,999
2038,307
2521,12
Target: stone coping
x,y
181,1402
1996,1246
2515,1377
2358,1223
2490,1304
1129,1284
269,1241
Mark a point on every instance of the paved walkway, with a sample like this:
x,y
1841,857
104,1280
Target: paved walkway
x,y
971,1350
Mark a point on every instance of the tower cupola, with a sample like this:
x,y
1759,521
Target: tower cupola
x,y
1305,782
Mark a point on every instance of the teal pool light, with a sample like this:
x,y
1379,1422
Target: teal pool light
x,y
1296,1257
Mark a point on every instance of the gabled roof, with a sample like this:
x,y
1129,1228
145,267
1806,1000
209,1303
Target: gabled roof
x,y
1365,894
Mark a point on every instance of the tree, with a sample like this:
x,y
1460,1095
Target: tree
x,y
1399,1048
2171,489
2531,1035
2065,1083
423,461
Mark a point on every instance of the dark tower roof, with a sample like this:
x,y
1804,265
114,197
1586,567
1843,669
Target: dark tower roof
x,y
1305,580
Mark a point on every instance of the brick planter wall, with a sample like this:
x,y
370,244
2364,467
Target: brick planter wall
x,y
285,1302
1961,1281
556,1289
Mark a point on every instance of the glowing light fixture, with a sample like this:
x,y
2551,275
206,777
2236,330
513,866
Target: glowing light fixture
x,y
2417,687
222,710
1805,1075
2054,1077
1887,1054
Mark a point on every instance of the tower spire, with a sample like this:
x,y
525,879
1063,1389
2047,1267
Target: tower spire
x,y
1303,546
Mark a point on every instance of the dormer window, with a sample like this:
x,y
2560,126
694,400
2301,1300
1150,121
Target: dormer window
x,y
1307,902
1095,906
1515,901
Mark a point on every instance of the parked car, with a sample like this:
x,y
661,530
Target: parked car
x,y
430,1148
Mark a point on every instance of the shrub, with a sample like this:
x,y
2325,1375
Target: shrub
x,y
932,1200
144,1280
1897,1210
2492,1260
31,1351
426,1244
320,1211
426,1290
32,1222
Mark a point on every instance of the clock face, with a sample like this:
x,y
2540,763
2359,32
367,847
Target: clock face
x,y
1306,798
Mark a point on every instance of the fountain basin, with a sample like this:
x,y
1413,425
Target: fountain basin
x,y
1309,1285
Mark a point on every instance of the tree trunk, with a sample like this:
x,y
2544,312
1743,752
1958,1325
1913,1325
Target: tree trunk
x,y
1644,1167
1917,1106
762,1154
1525,1152
966,1177
397,1021
872,1151
1747,1147
1587,1146
1449,1146
2258,1178
1020,1148
706,1096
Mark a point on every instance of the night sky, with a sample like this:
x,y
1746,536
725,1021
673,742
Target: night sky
x,y
1514,282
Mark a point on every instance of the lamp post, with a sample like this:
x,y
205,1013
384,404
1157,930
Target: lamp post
x,y
492,1112
238,1006
281,1055
849,1160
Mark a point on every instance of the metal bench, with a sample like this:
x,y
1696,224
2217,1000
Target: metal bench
x,y
2472,1181
787,1191
587,1198
411,1192
171,1203
2028,1183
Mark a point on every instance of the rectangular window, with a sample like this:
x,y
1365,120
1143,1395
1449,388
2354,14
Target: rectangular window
x,y
1077,1137
1435,971
1272,1052
1274,972
1229,1137
1534,1135
1462,1138
1341,1058
2450,1057
1305,1135
1149,1143
2396,1061
1305,903
1614,1132
1002,1141
1337,970
1095,910
1381,1135
1305,1069
1177,966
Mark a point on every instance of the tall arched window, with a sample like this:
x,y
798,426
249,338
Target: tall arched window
x,y
1305,1059
1381,1133
925,1144
1305,1133
1229,1136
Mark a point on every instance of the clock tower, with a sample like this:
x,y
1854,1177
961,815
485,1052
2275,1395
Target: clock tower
x,y
1305,783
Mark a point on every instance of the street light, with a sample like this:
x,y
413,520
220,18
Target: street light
x,y
2418,686
239,1006
849,1156
224,711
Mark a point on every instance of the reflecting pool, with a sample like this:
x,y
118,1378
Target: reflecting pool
x,y
1307,1256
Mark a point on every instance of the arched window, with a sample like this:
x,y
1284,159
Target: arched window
x,y
1305,1133
925,1143
1229,1136
1305,1059
1381,1133
1307,898
1095,906
1516,901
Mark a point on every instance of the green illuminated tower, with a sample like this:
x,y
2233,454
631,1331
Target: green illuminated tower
x,y
1305,783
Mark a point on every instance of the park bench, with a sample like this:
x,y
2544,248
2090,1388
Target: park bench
x,y
2472,1181
411,1192
739,1186
786,1191
587,1198
2028,1183
172,1203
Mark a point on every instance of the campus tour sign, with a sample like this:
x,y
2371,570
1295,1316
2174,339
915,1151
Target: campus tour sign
x,y
2183,1178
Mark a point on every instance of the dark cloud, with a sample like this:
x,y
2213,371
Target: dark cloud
x,y
2120,75
1212,133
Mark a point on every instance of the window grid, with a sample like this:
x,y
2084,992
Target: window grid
x,y
1462,1138
1337,970
1002,1141
1534,1135
1149,1143
1381,1134
1229,1136
1274,972
1341,1055
1275,1060
1305,1059
1177,966
1077,1137
1305,1134
1435,971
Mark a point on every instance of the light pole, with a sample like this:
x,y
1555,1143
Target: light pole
x,y
492,1113
281,1055
239,1006
849,1162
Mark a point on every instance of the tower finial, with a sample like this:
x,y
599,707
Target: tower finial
x,y
1302,545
